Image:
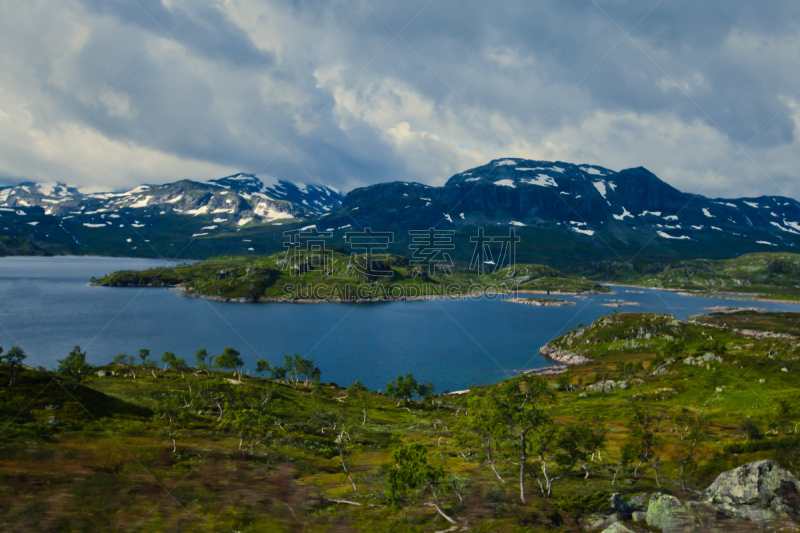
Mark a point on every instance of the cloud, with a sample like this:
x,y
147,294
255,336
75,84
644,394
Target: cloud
x,y
700,93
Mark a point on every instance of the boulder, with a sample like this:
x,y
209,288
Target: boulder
x,y
665,512
761,490
583,395
639,502
617,505
53,421
619,528
104,373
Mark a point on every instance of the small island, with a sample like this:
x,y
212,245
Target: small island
x,y
339,277
541,302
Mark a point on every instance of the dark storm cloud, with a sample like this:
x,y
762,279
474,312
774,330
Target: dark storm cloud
x,y
328,81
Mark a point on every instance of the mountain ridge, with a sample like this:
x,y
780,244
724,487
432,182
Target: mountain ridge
x,y
564,214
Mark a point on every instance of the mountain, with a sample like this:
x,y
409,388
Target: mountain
x,y
240,196
586,212
564,214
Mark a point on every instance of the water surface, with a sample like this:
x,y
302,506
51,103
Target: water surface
x,y
47,307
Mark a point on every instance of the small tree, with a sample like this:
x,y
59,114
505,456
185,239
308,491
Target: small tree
x,y
521,410
356,387
691,428
278,373
403,389
483,425
782,416
171,361
230,359
262,367
172,414
750,430
13,358
643,440
564,380
125,361
75,366
409,470
200,357
144,353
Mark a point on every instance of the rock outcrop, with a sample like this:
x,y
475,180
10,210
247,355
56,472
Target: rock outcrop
x,y
762,490
564,356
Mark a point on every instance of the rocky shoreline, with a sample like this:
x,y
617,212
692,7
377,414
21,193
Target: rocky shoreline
x,y
565,357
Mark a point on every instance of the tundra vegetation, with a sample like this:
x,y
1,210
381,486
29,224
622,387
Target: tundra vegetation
x,y
340,276
663,405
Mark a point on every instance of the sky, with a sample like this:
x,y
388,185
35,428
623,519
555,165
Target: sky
x,y
109,94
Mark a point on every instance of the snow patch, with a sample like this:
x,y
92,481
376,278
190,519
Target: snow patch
x,y
785,229
515,223
601,187
624,214
584,231
542,180
505,183
199,235
668,236
593,171
751,204
88,225
656,213
765,242
706,213
244,221
505,162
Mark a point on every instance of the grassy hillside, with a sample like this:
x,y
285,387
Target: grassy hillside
x,y
253,454
766,275
345,278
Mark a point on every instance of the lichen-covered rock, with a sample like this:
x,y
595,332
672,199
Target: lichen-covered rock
x,y
761,490
666,512
639,502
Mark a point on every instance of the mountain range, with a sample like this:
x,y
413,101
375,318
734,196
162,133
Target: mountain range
x,y
562,212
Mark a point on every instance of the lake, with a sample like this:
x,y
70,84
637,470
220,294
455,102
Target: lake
x,y
47,307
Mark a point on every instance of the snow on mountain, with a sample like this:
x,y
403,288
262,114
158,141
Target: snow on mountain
x,y
628,204
240,197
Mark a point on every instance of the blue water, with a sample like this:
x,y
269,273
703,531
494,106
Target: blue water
x,y
46,307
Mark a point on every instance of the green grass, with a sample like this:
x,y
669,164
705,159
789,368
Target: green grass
x,y
764,275
271,277
109,465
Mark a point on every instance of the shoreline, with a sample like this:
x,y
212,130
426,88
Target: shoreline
x,y
750,297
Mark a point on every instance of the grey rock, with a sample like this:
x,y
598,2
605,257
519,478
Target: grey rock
x,y
53,421
639,502
583,395
104,373
609,386
625,385
618,528
665,512
639,516
618,505
761,490
49,407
